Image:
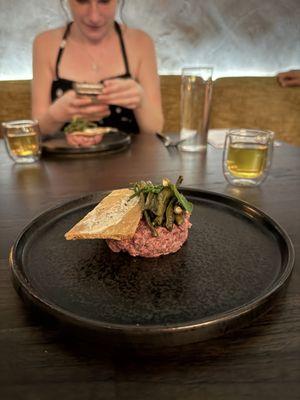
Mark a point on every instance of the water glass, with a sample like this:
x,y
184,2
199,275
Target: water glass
x,y
247,156
196,94
22,139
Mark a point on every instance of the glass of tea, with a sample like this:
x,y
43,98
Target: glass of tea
x,y
22,139
247,156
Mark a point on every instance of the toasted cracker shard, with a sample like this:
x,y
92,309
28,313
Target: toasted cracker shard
x,y
115,217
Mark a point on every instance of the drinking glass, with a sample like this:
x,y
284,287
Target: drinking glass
x,y
247,156
196,94
22,139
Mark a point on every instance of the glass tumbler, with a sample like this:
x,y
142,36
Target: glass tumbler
x,y
247,156
195,98
22,139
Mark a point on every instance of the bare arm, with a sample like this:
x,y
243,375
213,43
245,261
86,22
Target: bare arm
x,y
41,86
149,115
141,94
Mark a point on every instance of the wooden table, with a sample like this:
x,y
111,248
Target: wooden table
x,y
38,362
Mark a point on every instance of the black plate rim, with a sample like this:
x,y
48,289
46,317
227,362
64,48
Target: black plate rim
x,y
85,150
238,312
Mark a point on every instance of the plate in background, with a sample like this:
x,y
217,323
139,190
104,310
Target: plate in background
x,y
112,142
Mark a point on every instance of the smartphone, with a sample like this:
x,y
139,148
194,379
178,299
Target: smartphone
x,y
87,89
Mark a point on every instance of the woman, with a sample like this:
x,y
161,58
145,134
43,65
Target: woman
x,y
93,48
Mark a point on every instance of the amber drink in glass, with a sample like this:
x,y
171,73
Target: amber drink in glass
x,y
247,156
22,139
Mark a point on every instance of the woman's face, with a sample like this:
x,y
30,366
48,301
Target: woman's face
x,y
93,17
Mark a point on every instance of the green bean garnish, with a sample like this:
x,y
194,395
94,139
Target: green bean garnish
x,y
162,204
149,223
170,216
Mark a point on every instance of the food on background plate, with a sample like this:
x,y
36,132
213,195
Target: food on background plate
x,y
145,220
82,127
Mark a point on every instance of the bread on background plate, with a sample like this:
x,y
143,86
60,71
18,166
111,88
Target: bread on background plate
x,y
88,132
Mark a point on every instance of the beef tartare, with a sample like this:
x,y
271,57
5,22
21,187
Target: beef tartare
x,y
145,245
145,220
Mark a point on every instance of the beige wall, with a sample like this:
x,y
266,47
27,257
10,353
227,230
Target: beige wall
x,y
237,37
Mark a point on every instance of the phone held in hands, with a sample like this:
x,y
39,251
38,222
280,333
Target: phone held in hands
x,y
87,89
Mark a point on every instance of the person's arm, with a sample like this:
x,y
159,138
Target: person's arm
x,y
142,95
149,115
289,78
41,86
52,116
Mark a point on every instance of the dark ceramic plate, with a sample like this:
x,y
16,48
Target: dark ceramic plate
x,y
112,142
234,263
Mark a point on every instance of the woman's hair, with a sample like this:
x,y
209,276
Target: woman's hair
x,y
65,9
67,12
121,9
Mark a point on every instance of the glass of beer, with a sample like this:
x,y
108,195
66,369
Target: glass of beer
x,y
22,139
247,156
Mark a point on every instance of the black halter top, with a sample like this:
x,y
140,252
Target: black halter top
x,y
120,117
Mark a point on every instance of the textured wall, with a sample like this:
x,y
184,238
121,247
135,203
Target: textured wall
x,y
237,37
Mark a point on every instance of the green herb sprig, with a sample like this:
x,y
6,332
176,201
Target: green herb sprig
x,y
145,188
79,125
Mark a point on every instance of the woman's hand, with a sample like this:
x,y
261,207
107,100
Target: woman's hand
x,y
289,78
122,92
69,105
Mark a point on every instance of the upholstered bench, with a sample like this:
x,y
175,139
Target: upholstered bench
x,y
254,102
246,102
14,100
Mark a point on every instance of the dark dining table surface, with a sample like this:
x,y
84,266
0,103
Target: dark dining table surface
x,y
39,361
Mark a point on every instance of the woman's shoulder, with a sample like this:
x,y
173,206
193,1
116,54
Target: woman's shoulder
x,y
50,38
137,37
